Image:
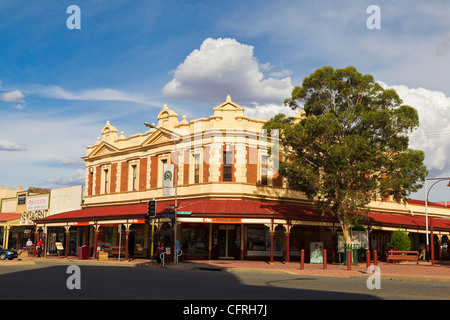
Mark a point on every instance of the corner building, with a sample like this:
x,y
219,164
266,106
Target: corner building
x,y
231,201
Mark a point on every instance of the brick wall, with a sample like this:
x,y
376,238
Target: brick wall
x,y
124,176
252,165
154,172
142,173
113,177
98,179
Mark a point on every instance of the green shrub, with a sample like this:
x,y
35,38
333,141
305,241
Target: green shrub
x,y
400,240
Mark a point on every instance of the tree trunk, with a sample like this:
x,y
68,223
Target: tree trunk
x,y
345,225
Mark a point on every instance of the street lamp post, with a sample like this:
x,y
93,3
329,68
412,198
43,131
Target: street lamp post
x,y
427,192
175,253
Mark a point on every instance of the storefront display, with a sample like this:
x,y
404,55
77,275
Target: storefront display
x,y
194,239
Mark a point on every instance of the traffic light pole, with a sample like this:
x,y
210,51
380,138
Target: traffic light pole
x,y
153,236
175,253
175,211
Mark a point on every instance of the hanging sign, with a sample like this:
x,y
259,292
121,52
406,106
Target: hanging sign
x,y
168,176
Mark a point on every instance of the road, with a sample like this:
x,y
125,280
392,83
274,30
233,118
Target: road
x,y
50,282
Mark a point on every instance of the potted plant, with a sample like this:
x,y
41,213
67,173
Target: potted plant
x,y
102,255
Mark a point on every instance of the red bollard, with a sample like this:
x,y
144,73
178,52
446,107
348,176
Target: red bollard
x,y
325,259
368,259
302,260
349,260
375,257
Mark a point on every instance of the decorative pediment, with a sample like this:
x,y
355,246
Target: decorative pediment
x,y
157,137
228,107
101,149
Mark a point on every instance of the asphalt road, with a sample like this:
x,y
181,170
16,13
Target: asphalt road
x,y
50,282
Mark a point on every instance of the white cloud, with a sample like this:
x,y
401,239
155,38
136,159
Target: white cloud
x,y
73,162
282,73
18,106
96,94
267,111
225,66
76,178
433,134
51,143
6,145
12,96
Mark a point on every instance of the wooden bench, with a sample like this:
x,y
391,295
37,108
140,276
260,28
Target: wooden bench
x,y
114,251
402,256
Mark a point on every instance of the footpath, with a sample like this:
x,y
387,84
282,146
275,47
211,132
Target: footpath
x,y
408,271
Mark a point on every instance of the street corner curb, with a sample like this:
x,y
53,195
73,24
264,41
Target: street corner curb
x,y
249,270
18,262
412,278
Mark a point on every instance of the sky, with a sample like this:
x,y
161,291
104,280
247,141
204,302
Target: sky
x,y
64,72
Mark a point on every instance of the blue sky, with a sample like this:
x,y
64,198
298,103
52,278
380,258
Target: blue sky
x,y
59,86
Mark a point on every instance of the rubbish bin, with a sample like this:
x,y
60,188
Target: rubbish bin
x,y
83,252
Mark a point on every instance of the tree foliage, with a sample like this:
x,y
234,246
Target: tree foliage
x,y
351,144
400,240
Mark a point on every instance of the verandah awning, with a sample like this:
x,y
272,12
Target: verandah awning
x,y
405,221
233,208
222,208
8,216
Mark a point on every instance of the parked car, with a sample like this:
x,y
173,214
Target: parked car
x,y
10,254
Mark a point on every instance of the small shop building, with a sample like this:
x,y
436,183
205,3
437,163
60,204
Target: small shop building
x,y
20,208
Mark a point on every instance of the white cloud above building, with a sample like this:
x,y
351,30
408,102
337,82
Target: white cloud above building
x,y
225,66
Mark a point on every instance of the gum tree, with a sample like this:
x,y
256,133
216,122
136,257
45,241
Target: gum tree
x,y
351,144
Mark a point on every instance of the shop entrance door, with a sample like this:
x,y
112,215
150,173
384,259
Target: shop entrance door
x,y
227,241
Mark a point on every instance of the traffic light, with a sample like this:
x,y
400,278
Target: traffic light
x,y
151,208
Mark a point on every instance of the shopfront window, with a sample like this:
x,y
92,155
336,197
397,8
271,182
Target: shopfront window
x,y
166,235
296,241
256,241
194,241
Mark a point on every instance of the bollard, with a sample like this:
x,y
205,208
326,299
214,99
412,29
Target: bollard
x,y
325,259
349,260
368,258
375,257
302,260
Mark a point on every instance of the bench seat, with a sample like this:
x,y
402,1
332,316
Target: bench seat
x,y
402,256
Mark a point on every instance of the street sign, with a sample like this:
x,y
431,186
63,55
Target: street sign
x,y
185,212
168,215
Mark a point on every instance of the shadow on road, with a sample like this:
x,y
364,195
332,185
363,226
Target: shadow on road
x,y
124,283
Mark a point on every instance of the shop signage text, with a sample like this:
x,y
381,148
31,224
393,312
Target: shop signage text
x,y
81,223
222,220
27,217
37,203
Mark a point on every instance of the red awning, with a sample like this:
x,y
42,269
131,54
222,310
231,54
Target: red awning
x,y
248,208
237,209
223,208
8,216
407,221
98,213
